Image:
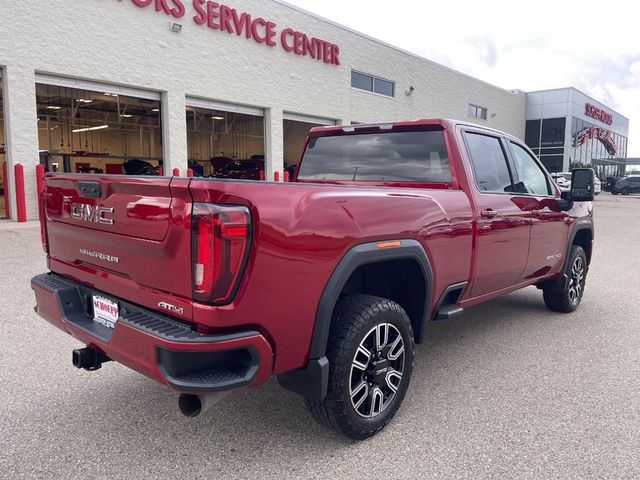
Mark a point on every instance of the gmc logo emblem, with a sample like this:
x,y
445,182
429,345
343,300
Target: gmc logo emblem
x,y
95,214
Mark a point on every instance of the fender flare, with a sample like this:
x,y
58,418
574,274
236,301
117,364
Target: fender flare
x,y
560,282
312,381
577,227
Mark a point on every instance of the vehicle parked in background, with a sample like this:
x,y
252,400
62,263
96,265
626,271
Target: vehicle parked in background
x,y
219,162
208,285
609,183
242,170
136,166
627,185
563,180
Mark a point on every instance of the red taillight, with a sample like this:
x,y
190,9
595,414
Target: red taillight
x,y
220,242
42,216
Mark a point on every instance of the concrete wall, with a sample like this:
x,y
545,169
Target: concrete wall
x,y
115,42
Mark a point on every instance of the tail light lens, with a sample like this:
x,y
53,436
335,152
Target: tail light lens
x,y
220,239
42,216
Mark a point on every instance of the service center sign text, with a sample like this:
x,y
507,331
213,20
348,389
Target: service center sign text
x,y
594,112
226,19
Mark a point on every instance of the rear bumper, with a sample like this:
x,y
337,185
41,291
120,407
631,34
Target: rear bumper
x,y
157,346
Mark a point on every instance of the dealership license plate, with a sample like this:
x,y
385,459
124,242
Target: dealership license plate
x,y
105,311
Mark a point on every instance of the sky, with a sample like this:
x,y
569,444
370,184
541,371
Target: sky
x,y
533,45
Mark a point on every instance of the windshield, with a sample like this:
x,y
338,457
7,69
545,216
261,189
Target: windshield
x,y
390,156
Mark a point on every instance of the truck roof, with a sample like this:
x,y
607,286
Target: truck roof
x,y
445,123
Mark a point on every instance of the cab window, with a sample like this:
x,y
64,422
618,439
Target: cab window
x,y
532,178
489,163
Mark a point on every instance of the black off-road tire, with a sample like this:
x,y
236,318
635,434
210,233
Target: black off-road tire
x,y
355,319
561,296
626,191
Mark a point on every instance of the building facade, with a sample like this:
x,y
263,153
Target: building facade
x,y
87,86
566,128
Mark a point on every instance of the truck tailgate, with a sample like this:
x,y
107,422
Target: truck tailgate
x,y
130,231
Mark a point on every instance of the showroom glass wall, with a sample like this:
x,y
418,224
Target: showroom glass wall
x,y
96,131
590,141
226,144
546,137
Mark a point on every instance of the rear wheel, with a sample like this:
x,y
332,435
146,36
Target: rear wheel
x,y
626,191
561,296
370,356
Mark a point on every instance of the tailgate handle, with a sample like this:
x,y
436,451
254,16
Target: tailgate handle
x,y
90,189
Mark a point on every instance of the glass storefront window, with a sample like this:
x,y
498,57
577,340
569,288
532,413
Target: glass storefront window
x,y
532,135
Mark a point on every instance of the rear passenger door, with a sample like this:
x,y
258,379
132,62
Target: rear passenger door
x,y
540,199
502,241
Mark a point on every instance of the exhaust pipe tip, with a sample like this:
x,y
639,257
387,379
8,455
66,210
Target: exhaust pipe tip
x,y
193,405
190,405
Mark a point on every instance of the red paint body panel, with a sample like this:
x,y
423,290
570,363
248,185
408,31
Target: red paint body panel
x,y
301,231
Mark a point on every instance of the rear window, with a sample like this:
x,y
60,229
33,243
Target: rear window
x,y
390,156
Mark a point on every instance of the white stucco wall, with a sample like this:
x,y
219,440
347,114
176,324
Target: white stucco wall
x,y
115,42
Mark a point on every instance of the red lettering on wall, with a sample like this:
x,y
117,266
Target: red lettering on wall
x,y
221,17
594,112
178,9
285,41
201,17
225,19
241,23
175,8
271,32
212,15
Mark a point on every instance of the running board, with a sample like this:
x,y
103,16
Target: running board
x,y
449,311
447,306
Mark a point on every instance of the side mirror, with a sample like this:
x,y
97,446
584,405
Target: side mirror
x,y
582,185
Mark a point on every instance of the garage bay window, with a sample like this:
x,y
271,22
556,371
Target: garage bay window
x,y
91,128
225,140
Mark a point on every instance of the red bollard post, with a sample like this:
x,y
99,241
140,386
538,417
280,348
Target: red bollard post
x,y
160,171
189,172
21,204
176,172
7,197
40,188
285,176
276,176
261,175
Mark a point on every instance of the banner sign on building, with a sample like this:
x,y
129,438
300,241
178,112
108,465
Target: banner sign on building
x,y
603,135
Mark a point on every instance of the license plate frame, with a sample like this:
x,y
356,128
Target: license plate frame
x,y
105,311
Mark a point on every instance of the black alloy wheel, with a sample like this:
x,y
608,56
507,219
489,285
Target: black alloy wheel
x,y
370,355
376,370
565,293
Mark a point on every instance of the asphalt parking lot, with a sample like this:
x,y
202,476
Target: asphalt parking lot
x,y
509,390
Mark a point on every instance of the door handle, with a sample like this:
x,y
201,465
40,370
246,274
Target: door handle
x,y
488,213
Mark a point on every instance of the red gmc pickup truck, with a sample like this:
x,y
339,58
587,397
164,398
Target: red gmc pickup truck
x,y
328,281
